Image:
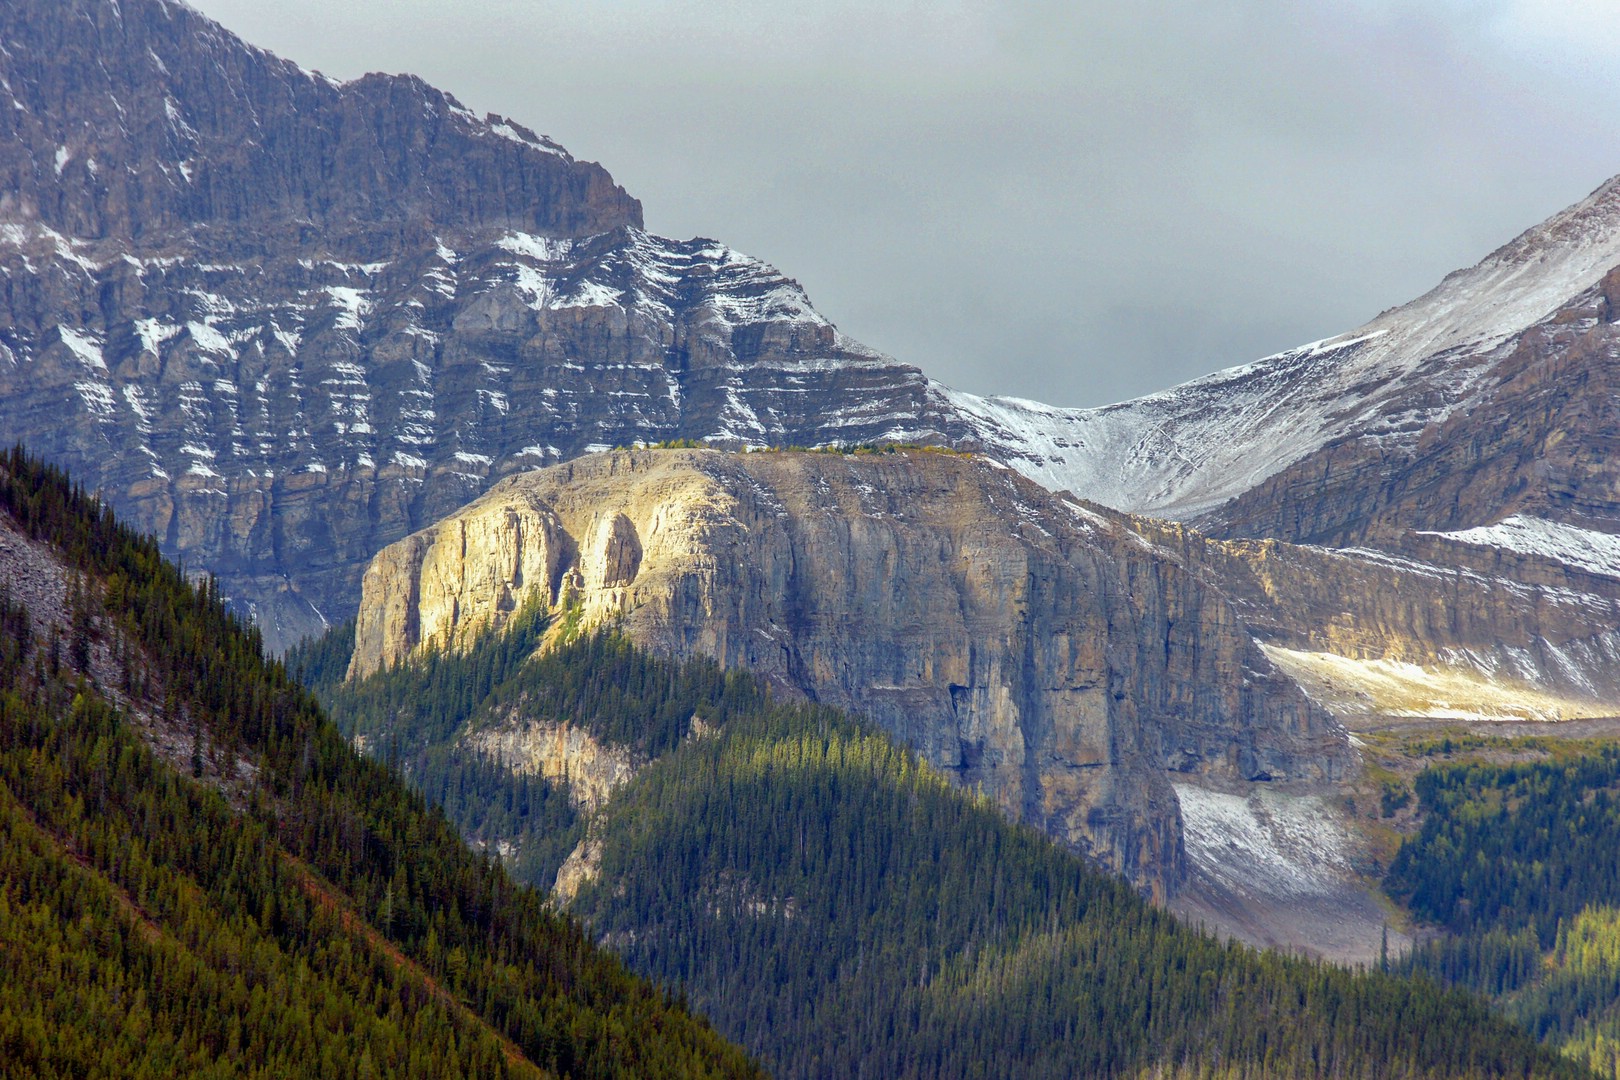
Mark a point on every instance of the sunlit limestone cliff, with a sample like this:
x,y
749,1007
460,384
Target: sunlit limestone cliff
x,y
1026,644
1166,702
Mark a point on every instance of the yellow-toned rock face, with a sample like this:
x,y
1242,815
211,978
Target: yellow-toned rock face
x,y
607,538
1020,641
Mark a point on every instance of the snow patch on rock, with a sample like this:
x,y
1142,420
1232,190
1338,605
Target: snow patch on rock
x,y
1278,844
1585,549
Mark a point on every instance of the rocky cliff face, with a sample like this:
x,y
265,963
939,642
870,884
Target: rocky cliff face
x,y
561,753
1453,628
1028,644
1455,457
281,322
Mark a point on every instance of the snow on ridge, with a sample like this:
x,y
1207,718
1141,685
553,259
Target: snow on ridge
x,y
138,405
589,294
209,339
154,332
1188,449
541,248
506,129
97,397
1585,549
536,286
785,302
23,234
352,305
1538,682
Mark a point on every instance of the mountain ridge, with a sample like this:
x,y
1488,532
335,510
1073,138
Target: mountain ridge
x,y
131,120
1182,453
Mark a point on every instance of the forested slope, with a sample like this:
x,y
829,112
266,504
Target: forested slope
x,y
1520,864
844,911
198,876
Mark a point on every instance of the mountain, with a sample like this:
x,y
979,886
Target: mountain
x,y
1170,704
202,878
261,315
280,322
1423,510
199,877
1282,446
834,903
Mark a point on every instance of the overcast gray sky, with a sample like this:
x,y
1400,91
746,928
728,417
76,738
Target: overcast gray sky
x,y
1076,202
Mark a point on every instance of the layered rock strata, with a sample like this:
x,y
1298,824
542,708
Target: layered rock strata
x,y
1023,643
1537,636
280,322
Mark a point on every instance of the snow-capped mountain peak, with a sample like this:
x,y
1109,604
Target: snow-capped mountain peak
x,y
1186,450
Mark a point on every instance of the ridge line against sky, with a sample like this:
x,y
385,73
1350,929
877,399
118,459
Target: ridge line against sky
x,y
1075,203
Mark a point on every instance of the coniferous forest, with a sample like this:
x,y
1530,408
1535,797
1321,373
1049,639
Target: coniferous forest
x,y
269,904
1520,864
841,910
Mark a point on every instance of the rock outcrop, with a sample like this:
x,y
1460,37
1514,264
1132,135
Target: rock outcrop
x,y
558,752
1024,643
